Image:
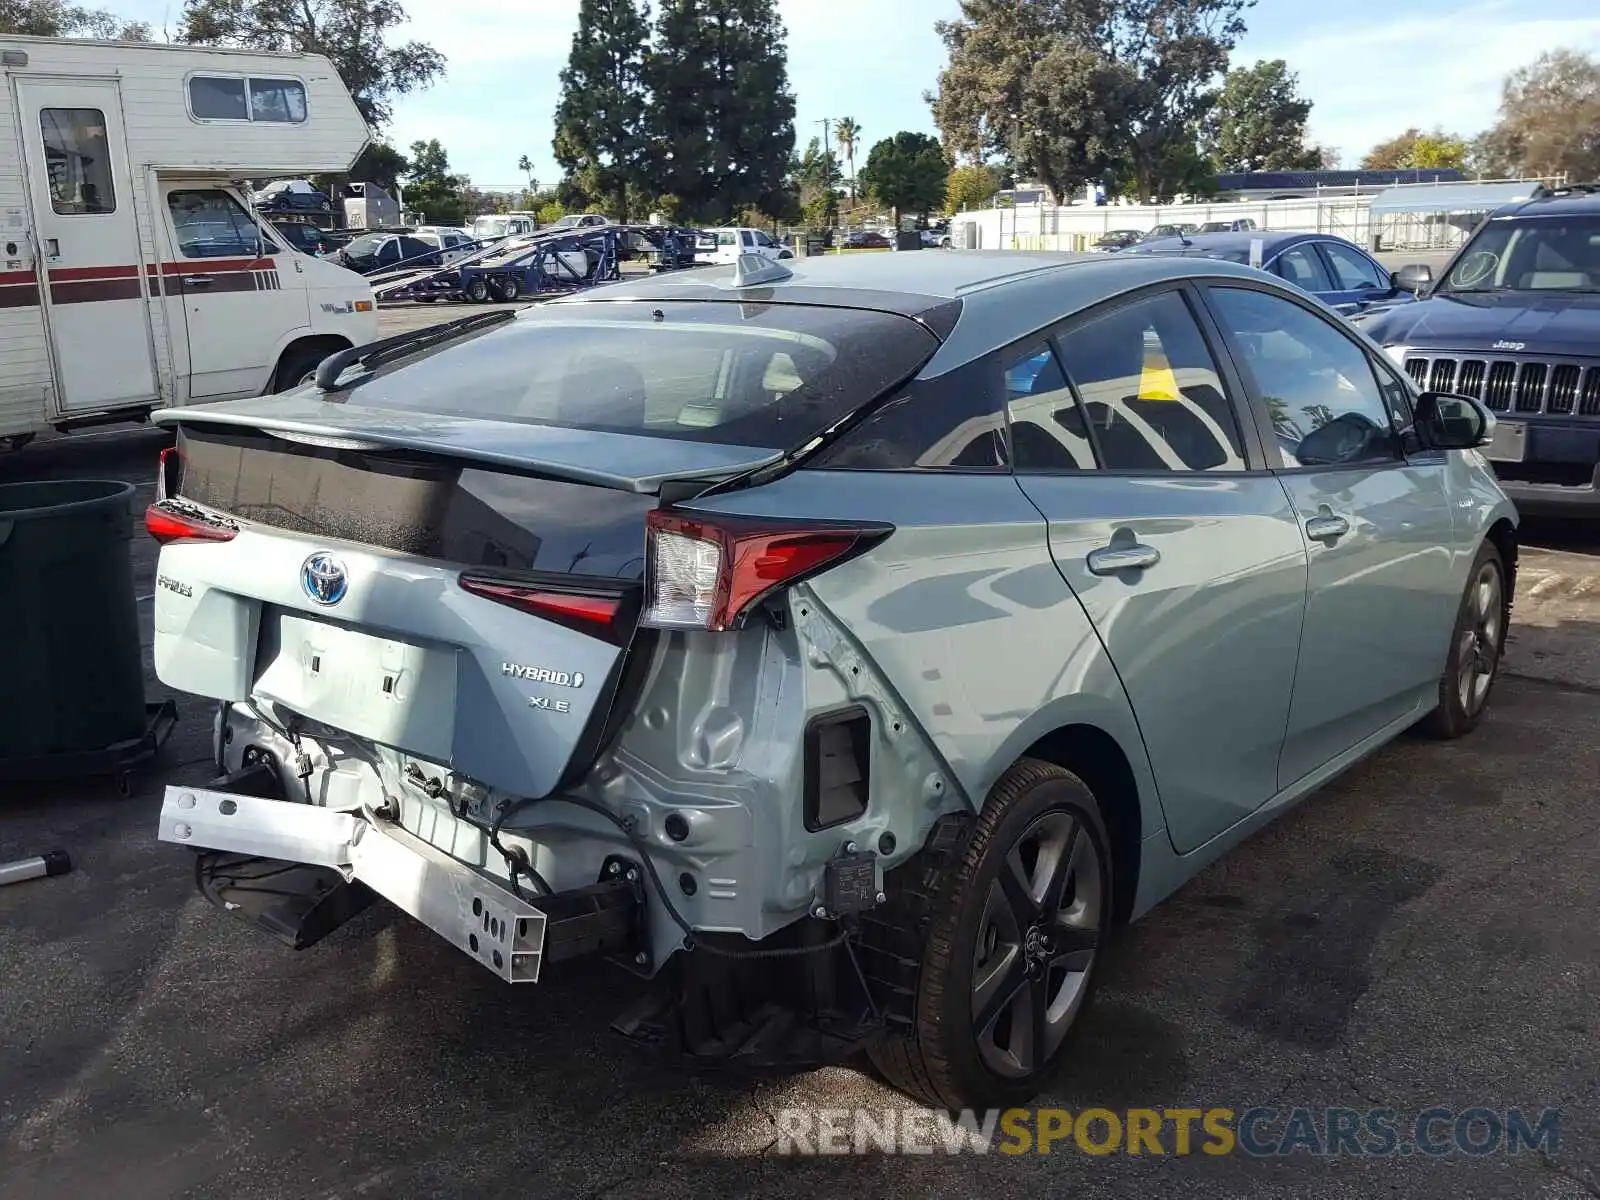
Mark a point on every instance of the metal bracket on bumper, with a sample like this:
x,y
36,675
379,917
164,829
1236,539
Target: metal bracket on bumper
x,y
505,934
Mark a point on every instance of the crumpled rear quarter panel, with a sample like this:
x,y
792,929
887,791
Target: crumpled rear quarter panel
x,y
960,619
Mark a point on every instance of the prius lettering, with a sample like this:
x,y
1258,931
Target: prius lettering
x,y
572,679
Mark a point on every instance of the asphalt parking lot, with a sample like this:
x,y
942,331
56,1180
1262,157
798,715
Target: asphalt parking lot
x,y
1421,933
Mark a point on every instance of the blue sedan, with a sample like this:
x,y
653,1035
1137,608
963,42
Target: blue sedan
x,y
1337,272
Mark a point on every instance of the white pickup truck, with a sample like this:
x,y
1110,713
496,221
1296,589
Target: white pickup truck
x,y
733,242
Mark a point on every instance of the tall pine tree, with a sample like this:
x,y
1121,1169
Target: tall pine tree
x,y
600,120
721,112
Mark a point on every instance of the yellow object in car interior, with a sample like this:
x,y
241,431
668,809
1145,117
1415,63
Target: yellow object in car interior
x,y
1156,380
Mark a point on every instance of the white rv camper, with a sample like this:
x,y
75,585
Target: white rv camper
x,y
133,272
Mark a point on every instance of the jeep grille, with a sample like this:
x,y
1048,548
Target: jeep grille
x,y
1512,385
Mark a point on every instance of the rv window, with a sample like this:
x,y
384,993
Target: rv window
x,y
225,98
277,100
212,98
77,156
211,224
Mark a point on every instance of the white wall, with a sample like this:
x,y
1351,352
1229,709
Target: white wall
x,y
1078,226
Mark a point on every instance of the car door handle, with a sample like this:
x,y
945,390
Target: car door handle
x,y
1327,528
1109,560
197,281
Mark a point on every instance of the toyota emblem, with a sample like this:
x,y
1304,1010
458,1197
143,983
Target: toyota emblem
x,y
323,578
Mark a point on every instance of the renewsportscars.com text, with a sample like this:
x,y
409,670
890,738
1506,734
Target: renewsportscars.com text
x,y
1255,1132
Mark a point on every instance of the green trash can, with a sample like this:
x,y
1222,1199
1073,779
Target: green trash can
x,y
73,678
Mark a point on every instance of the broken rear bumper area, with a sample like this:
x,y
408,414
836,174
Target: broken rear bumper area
x,y
325,866
807,996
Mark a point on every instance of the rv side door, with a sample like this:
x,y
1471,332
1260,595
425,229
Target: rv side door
x,y
241,296
90,268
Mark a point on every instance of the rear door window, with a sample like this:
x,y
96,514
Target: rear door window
x,y
1150,389
1301,267
1048,431
762,375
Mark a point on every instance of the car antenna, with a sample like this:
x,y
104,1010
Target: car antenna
x,y
752,269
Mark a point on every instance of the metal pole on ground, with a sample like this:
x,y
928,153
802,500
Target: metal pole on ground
x,y
51,862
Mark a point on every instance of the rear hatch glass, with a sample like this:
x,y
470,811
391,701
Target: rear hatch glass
x,y
736,373
510,696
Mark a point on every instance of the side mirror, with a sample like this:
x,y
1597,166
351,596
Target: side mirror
x,y
1413,277
1449,422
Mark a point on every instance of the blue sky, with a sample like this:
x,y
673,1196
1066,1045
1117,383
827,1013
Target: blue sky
x,y
1371,67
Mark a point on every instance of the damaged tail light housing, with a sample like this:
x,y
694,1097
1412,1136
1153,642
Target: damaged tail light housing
x,y
711,572
173,520
169,466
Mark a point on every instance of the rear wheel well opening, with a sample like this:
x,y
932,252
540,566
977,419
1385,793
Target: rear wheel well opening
x,y
307,350
1095,757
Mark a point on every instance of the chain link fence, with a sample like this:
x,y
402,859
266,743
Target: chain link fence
x,y
1078,227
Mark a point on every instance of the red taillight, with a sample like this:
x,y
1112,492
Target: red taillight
x,y
586,612
168,522
709,573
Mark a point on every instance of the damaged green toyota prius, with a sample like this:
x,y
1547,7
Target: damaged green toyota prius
x,y
848,646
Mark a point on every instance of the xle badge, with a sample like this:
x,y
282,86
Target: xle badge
x,y
548,704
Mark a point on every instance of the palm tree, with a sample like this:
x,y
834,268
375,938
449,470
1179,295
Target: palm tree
x,y
525,165
848,134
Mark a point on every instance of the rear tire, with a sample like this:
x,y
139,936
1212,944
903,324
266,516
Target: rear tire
x,y
1477,646
507,289
477,290
1010,939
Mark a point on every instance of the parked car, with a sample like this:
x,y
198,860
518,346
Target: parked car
x,y
308,239
1168,231
1513,320
1118,239
375,251
866,239
617,634
1336,271
489,226
580,221
451,243
731,243
1240,225
291,195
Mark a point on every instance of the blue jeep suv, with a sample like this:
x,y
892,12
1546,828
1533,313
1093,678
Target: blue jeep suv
x,y
1514,321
